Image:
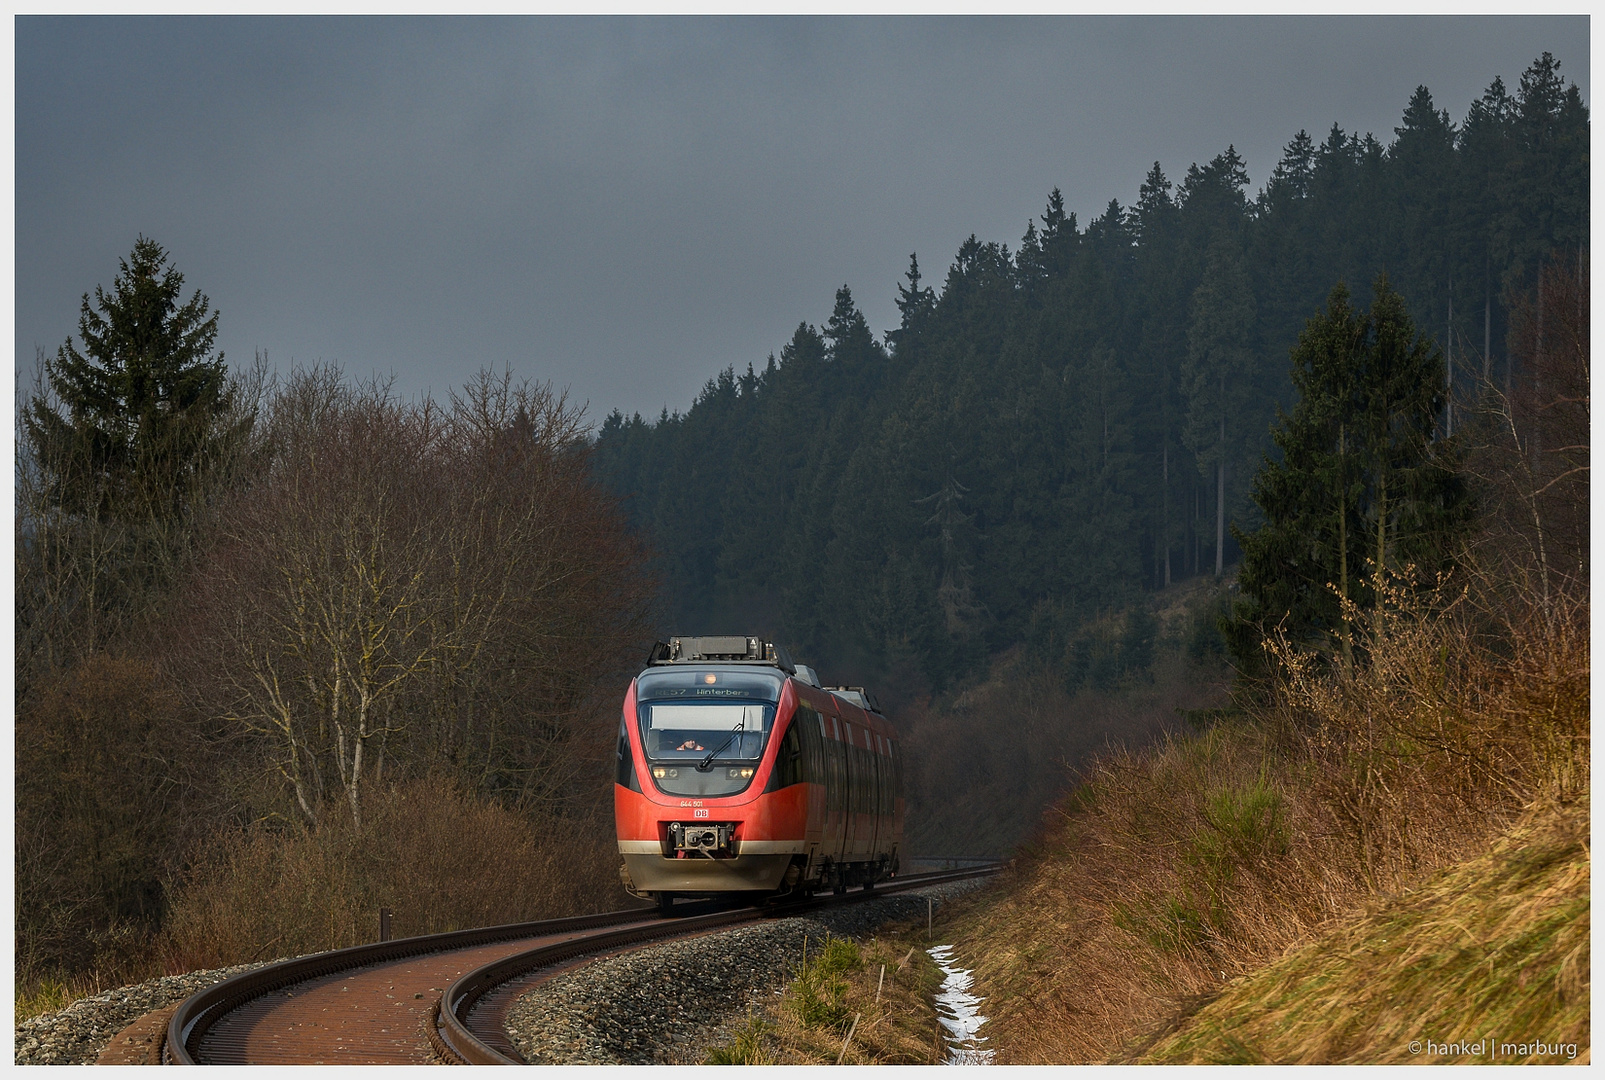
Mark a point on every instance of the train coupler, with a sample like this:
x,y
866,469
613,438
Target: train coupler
x,y
702,839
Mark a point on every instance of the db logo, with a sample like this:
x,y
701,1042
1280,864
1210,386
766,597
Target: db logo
x,y
699,813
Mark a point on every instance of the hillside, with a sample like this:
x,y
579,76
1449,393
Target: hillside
x,y
1368,856
1486,962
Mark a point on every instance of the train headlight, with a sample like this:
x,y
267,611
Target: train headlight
x,y
659,772
741,774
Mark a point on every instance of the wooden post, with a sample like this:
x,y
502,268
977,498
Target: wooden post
x,y
843,1055
384,924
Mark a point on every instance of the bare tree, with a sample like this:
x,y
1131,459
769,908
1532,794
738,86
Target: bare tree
x,y
411,588
1533,456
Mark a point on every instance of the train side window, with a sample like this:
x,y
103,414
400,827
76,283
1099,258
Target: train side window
x,y
625,766
833,766
789,760
848,778
844,755
804,723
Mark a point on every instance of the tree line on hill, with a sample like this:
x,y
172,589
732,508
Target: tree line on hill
x,y
1067,424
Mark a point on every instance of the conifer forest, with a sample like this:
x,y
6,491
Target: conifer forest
x,y
1057,427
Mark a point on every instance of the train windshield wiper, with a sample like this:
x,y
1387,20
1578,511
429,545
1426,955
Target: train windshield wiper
x,y
707,763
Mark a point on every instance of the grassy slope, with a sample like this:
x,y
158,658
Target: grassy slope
x,y
1356,865
1492,952
887,984
1495,945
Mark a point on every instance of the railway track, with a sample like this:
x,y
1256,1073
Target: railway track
x,y
440,997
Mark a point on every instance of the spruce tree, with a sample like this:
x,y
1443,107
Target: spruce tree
x,y
914,306
135,412
1364,488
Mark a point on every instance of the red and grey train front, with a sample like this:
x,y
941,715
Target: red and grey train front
x,y
712,795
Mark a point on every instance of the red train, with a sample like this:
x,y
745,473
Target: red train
x,y
738,772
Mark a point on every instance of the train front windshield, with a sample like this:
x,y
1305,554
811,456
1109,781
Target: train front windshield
x,y
705,731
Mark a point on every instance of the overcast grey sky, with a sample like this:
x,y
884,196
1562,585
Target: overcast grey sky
x,y
626,206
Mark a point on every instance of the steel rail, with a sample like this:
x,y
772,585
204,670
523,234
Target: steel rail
x,y
457,1044
197,1013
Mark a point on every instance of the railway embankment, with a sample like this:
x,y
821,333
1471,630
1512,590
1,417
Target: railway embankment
x,y
1487,962
1375,858
80,1032
673,1002
682,1001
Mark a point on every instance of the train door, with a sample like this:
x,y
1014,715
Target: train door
x,y
864,777
849,792
877,803
810,728
836,819
851,789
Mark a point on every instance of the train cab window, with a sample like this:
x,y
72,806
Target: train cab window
x,y
704,731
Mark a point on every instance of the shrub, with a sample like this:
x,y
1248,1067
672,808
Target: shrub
x,y
819,994
441,859
746,1048
101,768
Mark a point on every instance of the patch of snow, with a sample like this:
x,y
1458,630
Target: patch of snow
x,y
959,1011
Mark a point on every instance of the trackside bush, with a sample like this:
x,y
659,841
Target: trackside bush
x,y
441,859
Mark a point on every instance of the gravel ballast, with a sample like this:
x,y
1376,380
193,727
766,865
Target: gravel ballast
x,y
663,1003
77,1034
672,1003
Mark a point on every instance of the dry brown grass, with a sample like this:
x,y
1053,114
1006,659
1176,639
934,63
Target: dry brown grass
x,y
1175,870
840,990
440,859
1489,959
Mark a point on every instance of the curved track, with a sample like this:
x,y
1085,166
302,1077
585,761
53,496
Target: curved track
x,y
427,999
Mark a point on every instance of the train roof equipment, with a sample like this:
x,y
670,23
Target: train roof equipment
x,y
751,650
857,695
722,650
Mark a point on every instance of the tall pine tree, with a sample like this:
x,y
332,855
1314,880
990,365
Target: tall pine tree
x,y
1364,488
135,413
